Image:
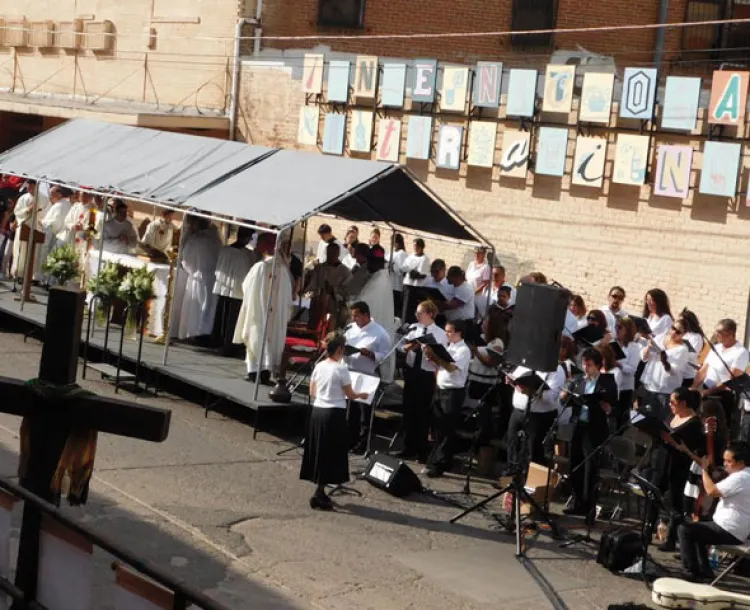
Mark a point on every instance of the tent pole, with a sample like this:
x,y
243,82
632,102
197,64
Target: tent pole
x,y
302,279
178,262
101,245
28,271
269,312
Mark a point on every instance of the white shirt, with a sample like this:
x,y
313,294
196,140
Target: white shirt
x,y
111,233
323,246
655,378
439,335
330,378
371,336
397,273
736,357
477,274
456,380
465,294
660,324
612,317
480,372
733,510
159,235
481,301
54,220
420,264
696,342
443,286
625,374
549,400
571,324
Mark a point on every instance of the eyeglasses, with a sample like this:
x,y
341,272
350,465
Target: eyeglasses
x,y
679,331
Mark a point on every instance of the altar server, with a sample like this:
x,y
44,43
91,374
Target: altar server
x,y
23,212
160,232
254,312
235,262
196,311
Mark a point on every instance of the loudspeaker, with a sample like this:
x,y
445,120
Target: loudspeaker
x,y
536,330
392,475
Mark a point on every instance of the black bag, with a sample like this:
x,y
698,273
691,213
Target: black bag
x,y
619,549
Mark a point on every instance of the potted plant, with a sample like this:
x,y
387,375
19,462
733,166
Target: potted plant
x,y
62,264
105,288
136,288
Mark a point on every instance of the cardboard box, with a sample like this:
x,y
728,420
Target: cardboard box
x,y
536,486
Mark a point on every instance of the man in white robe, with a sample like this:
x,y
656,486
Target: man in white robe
x,y
23,212
53,223
160,232
196,311
235,262
378,296
118,233
254,313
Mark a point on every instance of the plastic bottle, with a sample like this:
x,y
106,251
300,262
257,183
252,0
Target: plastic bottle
x,y
662,531
713,558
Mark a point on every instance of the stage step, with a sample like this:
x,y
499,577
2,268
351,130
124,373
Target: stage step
x,y
109,371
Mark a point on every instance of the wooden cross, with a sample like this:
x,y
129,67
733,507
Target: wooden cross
x,y
50,421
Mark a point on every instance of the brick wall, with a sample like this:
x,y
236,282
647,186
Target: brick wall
x,y
586,239
298,18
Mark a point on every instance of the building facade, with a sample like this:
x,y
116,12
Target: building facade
x,y
635,231
155,63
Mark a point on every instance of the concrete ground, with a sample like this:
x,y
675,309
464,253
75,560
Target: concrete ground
x,y
227,515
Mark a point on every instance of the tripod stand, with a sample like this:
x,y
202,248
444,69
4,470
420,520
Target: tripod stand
x,y
516,485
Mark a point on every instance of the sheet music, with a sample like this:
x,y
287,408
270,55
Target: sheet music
x,y
365,383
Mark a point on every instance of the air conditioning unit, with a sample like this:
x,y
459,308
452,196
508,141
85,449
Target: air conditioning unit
x,y
42,34
16,33
99,36
68,34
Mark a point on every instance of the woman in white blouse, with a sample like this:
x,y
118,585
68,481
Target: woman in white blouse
x,y
666,358
657,312
694,338
626,367
326,457
478,273
397,273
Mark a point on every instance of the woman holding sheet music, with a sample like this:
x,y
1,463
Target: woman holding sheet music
x,y
666,357
326,457
657,312
694,338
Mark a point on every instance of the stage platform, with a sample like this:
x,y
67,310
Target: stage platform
x,y
219,378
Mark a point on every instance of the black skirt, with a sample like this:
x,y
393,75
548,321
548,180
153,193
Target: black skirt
x,y
326,456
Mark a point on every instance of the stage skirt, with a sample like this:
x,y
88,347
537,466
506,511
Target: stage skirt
x,y
326,455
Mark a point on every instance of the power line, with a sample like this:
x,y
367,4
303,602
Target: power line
x,y
486,34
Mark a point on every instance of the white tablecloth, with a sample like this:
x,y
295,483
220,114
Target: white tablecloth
x,y
161,284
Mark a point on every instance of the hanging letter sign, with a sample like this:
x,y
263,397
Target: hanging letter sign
x,y
680,107
450,138
307,131
588,164
389,140
488,77
394,83
638,94
425,75
631,159
333,133
482,137
453,92
366,76
521,93
673,171
558,88
312,73
596,97
721,164
419,137
360,131
728,98
515,156
553,150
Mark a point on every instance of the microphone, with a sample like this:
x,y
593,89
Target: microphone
x,y
348,326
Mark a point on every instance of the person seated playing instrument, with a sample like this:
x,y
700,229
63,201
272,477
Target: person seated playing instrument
x,y
731,519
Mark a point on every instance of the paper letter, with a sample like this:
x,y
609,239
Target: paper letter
x,y
450,138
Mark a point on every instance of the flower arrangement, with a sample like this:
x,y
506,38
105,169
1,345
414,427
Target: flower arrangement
x,y
62,264
106,285
137,286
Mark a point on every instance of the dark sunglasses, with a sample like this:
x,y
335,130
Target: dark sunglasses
x,y
678,330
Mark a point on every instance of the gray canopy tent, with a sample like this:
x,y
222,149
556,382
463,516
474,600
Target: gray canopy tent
x,y
232,182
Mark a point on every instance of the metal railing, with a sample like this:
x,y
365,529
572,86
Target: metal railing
x,y
716,43
184,595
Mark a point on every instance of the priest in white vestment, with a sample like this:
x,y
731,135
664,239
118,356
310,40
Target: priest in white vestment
x,y
56,234
235,262
196,311
254,312
23,212
379,298
118,232
160,232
